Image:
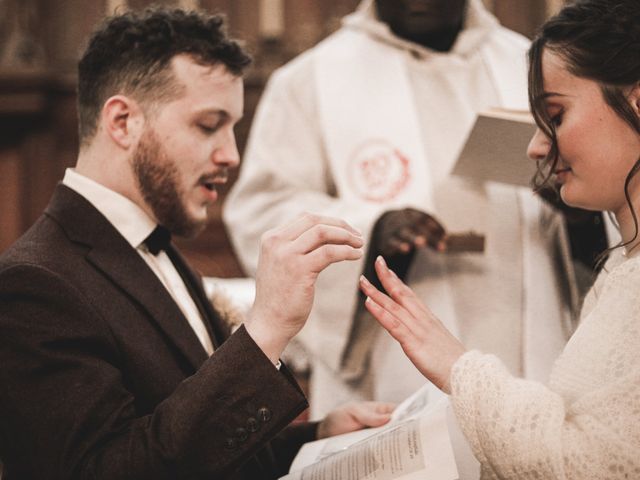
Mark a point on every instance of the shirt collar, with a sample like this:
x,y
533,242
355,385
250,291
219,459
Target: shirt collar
x,y
126,217
478,23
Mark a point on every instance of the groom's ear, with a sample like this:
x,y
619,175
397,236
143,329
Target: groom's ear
x,y
123,120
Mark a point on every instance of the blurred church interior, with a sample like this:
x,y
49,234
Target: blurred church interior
x,y
39,44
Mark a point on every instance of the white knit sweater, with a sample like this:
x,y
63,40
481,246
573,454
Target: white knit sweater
x,y
586,423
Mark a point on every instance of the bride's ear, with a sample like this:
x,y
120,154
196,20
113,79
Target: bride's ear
x,y
635,98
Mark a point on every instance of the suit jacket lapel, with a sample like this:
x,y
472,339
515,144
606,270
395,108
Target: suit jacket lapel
x,y
216,328
110,253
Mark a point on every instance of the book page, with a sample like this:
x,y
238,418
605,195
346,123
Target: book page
x,y
414,444
496,149
509,114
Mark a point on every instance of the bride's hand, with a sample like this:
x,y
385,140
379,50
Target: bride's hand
x,y
427,343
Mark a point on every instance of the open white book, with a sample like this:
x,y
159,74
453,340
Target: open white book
x,y
415,444
496,148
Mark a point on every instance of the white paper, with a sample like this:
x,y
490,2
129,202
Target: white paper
x,y
496,149
415,444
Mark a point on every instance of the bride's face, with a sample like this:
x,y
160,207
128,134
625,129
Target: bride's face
x,y
597,148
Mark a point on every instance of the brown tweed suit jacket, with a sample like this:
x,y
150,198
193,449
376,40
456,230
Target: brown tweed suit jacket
x,y
102,377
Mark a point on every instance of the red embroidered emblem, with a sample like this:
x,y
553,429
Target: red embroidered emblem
x,y
378,171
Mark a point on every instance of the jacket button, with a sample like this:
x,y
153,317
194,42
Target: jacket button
x,y
241,434
230,444
264,414
253,425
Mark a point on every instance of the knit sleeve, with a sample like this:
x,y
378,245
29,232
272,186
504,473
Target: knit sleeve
x,y
586,423
506,420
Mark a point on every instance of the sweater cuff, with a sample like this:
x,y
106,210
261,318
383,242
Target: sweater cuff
x,y
465,380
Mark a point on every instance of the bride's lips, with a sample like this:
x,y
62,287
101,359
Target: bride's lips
x,y
562,173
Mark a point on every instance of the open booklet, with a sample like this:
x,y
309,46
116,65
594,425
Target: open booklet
x,y
415,444
496,148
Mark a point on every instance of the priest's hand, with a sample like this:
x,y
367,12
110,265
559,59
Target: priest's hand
x,y
291,257
354,416
402,231
427,343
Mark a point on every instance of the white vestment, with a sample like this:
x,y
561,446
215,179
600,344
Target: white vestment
x,y
366,122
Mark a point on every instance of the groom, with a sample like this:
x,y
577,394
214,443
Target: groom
x,y
113,364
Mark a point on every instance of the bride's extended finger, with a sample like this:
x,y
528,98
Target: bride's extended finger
x,y
389,322
397,289
383,300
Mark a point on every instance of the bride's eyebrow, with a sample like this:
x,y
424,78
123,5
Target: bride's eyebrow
x,y
547,95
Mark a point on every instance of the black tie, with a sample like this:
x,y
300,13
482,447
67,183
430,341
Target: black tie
x,y
158,240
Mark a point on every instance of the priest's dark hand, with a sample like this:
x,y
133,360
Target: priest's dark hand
x,y
396,235
399,232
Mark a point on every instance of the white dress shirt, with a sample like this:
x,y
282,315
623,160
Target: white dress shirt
x,y
135,226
